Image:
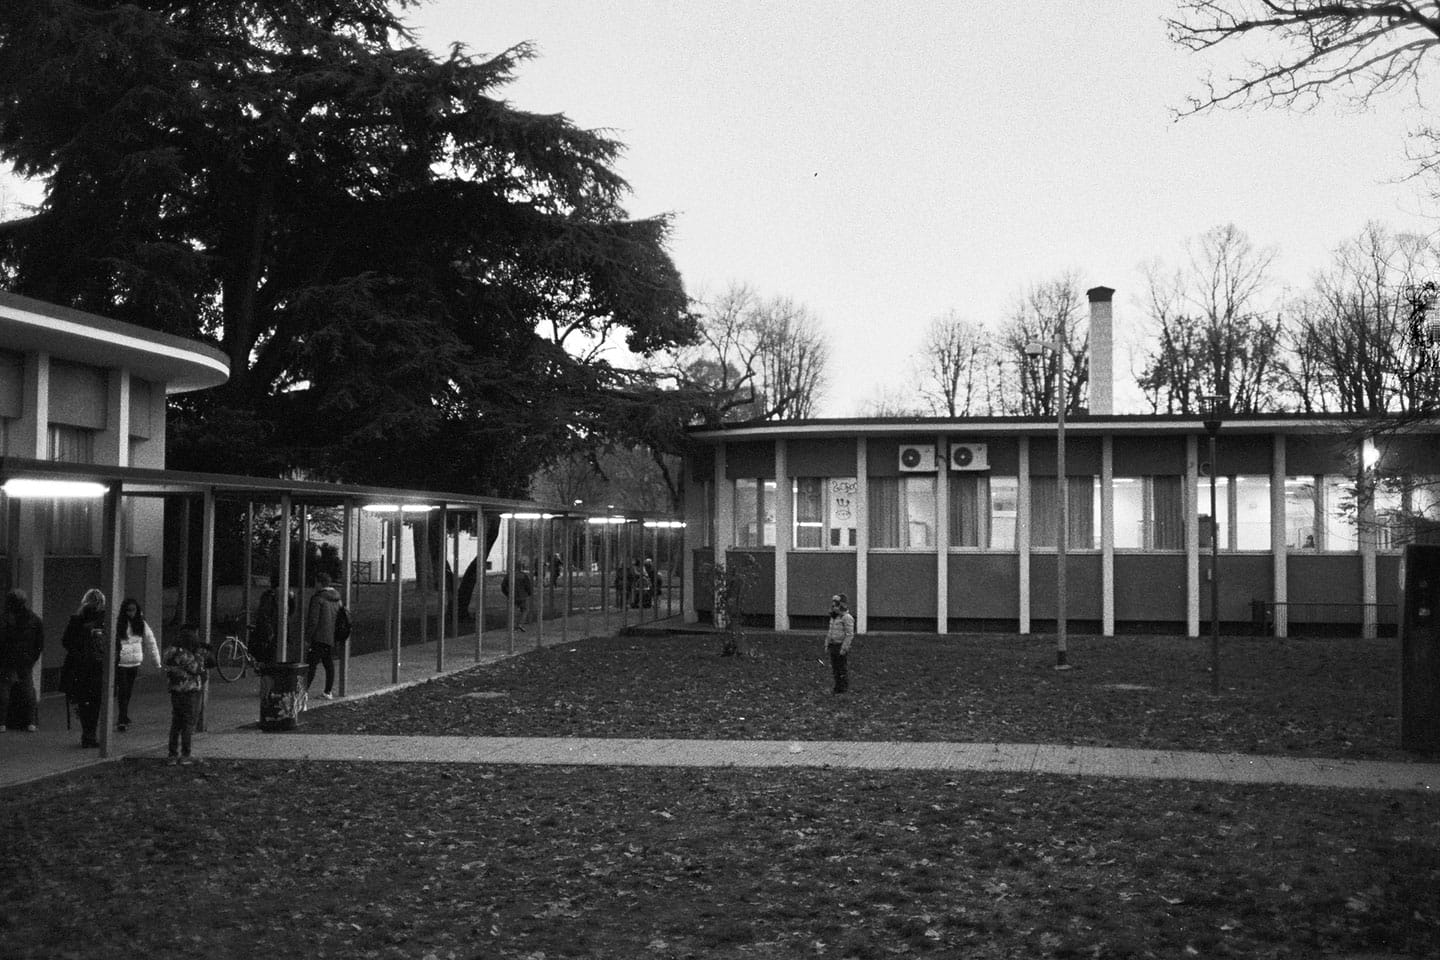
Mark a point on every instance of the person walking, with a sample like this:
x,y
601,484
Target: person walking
x,y
82,676
838,637
186,668
320,633
22,638
134,645
519,588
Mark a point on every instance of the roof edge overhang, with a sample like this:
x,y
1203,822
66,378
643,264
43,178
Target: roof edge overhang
x,y
182,365
1082,425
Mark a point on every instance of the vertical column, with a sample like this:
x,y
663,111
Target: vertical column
x,y
1022,532
1365,487
1192,538
29,528
112,445
347,568
861,606
207,588
1107,535
481,555
512,549
784,534
112,574
1279,546
397,536
942,536
696,519
724,514
282,582
440,551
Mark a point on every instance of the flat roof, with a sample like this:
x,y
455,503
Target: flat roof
x,y
1080,424
182,365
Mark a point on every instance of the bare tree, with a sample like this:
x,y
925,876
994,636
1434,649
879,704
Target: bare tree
x,y
1303,48
1215,334
1039,316
953,366
762,359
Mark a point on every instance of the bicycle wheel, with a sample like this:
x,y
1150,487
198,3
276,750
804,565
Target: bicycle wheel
x,y
230,660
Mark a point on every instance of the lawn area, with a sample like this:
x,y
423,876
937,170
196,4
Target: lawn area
x,y
433,861
1333,698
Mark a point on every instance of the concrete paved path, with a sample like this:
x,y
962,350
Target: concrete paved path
x,y
1006,757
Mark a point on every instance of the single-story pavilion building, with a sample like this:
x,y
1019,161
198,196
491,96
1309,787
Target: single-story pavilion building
x,y
950,525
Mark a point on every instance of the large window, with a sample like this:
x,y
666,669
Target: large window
x,y
1402,506
1045,512
72,522
1252,513
1004,511
754,513
1300,531
825,512
969,509
1337,514
1149,513
902,512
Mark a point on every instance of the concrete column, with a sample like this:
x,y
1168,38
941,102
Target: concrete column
x,y
30,519
861,604
282,581
1022,532
1366,534
697,519
347,567
207,588
112,445
1279,550
1107,535
784,535
1192,538
942,536
112,575
1102,377
724,512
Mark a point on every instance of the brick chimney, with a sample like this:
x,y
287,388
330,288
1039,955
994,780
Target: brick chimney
x,y
1102,350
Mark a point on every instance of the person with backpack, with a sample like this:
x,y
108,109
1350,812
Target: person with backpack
x,y
187,667
134,645
82,676
320,634
22,638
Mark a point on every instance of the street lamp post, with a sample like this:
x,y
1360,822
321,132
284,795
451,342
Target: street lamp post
x,y
1062,489
1213,407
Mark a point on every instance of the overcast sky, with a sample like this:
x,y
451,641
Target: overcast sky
x,y
882,163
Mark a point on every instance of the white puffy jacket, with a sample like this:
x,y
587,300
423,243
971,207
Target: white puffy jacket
x,y
135,650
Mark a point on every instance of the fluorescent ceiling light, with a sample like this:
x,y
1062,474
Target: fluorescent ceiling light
x,y
673,524
23,488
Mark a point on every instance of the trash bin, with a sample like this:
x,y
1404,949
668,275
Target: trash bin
x,y
282,695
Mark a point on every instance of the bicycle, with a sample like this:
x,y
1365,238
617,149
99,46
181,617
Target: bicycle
x,y
233,657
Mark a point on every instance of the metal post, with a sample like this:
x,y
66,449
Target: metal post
x,y
247,591
282,584
512,549
1063,484
347,566
1214,577
440,589
207,591
397,532
112,575
480,561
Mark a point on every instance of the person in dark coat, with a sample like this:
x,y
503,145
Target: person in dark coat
x,y
22,638
83,675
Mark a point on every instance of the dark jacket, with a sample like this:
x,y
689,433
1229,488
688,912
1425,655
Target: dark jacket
x,y
81,676
320,618
22,638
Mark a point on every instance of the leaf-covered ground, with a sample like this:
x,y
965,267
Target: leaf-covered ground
x,y
1335,698
273,859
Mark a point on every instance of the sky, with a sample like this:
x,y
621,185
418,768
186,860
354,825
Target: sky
x,y
883,163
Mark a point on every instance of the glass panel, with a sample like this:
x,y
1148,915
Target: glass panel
x,y
809,493
1338,495
1300,513
767,514
1129,512
884,512
969,493
1252,513
1044,512
72,523
1221,525
1004,508
843,493
919,495
1168,498
747,513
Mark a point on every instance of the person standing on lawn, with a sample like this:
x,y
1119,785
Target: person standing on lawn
x,y
186,667
134,644
320,633
838,637
82,676
22,638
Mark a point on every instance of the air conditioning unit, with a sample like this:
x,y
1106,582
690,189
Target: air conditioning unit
x,y
917,458
969,456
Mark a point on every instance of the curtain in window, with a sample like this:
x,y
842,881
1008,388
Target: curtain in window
x,y
1169,520
1081,494
747,513
1044,512
1004,510
969,501
918,494
884,512
71,523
